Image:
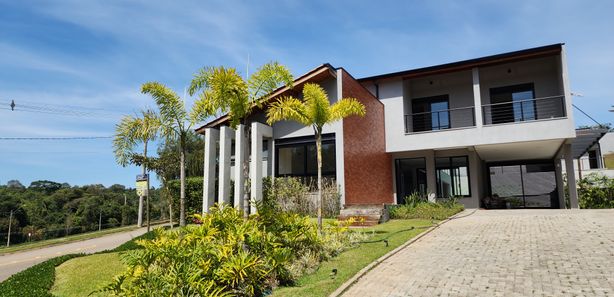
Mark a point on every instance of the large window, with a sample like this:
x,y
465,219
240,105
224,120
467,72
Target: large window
x,y
298,156
452,176
513,103
525,185
430,113
411,177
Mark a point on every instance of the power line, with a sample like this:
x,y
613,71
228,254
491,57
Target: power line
x,y
586,114
57,138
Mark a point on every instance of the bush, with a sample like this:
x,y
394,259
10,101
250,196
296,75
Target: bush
x,y
227,255
37,280
596,191
294,195
417,208
193,195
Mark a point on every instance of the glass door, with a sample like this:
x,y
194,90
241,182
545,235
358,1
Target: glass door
x,y
529,185
411,177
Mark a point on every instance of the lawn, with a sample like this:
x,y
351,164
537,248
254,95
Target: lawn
x,y
80,276
83,275
320,283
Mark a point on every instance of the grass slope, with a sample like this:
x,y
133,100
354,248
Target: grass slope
x,y
81,276
320,283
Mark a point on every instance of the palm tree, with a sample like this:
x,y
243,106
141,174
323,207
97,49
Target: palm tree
x,y
223,90
175,123
315,111
129,133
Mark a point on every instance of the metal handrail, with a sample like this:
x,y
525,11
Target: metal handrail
x,y
525,100
452,116
443,110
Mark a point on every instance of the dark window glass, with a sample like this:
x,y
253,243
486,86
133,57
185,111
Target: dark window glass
x,y
452,175
430,113
512,104
592,160
411,177
300,158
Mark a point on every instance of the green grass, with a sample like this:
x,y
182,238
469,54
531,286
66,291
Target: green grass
x,y
37,280
83,275
350,262
62,240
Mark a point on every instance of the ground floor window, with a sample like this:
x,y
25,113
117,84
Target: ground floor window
x,y
411,177
452,176
298,156
524,185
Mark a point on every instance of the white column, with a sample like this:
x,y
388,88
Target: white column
x,y
240,143
259,131
477,97
571,177
431,180
226,135
212,136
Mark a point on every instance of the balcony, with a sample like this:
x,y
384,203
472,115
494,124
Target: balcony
x,y
440,120
524,110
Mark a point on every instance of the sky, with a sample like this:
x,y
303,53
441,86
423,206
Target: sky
x,y
89,58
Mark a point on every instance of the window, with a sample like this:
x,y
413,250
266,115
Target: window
x,y
593,161
298,156
430,113
452,176
411,177
513,104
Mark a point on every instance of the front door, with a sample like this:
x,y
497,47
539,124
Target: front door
x,y
411,177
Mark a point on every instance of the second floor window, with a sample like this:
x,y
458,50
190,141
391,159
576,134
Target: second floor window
x,y
513,103
430,113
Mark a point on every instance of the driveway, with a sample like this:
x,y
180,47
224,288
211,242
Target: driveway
x,y
503,253
16,262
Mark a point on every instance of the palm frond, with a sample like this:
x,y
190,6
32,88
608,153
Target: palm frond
x,y
267,79
125,139
345,108
318,105
288,108
172,108
200,80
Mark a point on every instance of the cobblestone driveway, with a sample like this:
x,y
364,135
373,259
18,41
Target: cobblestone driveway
x,y
503,253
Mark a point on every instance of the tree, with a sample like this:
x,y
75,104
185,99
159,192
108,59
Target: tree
x,y
315,111
14,184
130,132
176,124
223,90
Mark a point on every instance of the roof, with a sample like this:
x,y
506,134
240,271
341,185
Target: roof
x,y
317,74
585,139
536,52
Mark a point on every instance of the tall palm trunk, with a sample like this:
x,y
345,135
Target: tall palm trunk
x,y
182,190
246,185
319,157
142,197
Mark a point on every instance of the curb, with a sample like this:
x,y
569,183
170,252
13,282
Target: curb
x,y
345,286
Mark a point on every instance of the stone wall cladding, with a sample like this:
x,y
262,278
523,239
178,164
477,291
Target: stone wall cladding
x,y
368,172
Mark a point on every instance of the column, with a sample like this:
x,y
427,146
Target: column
x,y
212,136
560,186
431,181
571,177
259,131
226,135
240,143
477,97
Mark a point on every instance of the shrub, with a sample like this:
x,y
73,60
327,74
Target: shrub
x,y
227,255
596,191
422,209
299,196
193,195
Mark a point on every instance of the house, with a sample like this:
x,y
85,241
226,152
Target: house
x,y
493,131
599,158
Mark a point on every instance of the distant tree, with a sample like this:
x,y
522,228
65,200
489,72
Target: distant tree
x,y
45,185
14,184
315,111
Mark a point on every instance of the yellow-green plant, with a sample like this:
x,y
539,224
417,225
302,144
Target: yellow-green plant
x,y
315,111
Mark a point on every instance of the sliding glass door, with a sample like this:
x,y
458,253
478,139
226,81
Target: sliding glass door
x,y
528,185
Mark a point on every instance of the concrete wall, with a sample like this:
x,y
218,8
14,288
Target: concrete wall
x,y
547,75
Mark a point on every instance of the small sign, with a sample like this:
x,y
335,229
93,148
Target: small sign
x,y
141,184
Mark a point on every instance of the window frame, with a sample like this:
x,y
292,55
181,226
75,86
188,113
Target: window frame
x,y
304,142
449,167
428,102
511,89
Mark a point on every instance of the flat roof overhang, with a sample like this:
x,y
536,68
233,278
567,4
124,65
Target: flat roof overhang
x,y
537,52
585,139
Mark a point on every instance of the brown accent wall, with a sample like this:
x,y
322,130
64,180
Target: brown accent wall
x,y
368,172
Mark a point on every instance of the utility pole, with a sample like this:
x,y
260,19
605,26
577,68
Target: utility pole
x,y
8,238
100,221
148,204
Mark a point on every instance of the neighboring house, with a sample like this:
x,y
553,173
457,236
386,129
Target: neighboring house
x,y
492,131
599,158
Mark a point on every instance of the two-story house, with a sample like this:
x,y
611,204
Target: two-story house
x,y
492,131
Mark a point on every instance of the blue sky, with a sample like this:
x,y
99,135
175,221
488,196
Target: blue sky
x,y
72,53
